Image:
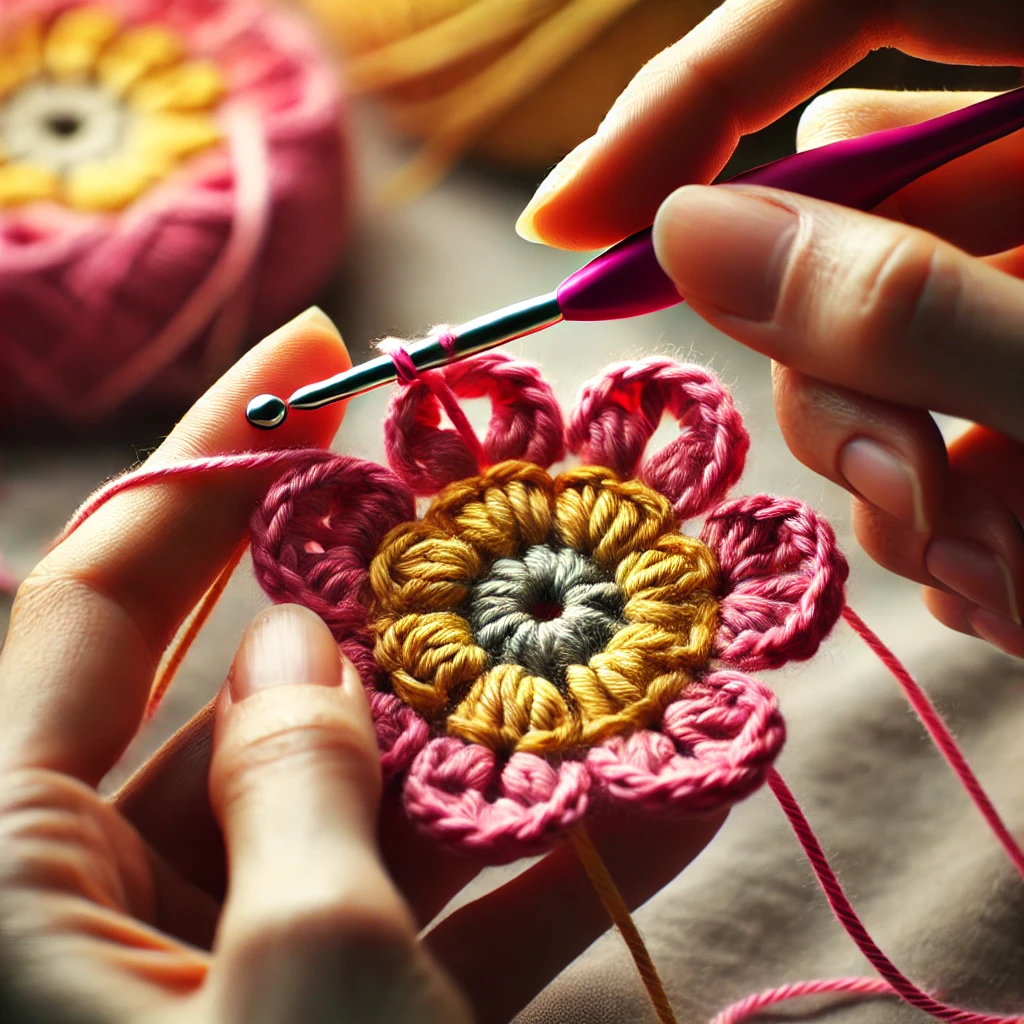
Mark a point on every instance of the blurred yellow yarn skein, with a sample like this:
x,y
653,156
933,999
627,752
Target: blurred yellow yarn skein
x,y
517,82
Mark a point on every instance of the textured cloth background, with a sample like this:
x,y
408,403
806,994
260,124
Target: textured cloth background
x,y
934,888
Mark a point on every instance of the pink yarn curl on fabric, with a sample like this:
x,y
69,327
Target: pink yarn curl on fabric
x,y
110,313
618,412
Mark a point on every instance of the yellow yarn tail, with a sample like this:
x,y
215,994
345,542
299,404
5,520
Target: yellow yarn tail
x,y
612,901
177,651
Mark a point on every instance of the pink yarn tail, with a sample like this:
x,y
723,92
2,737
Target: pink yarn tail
x,y
942,737
753,1005
847,917
284,457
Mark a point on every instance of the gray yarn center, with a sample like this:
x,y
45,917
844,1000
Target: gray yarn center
x,y
546,610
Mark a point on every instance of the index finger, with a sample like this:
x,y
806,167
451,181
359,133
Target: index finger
x,y
744,66
90,624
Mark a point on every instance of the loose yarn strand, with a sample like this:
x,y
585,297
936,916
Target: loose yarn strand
x,y
181,647
854,927
612,901
941,736
753,1005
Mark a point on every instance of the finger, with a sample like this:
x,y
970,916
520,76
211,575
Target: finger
x,y
913,516
643,855
892,456
976,202
167,802
976,551
963,616
746,64
846,297
89,625
995,464
295,785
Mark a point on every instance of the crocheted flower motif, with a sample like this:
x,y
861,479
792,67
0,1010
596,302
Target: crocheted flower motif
x,y
536,644
94,112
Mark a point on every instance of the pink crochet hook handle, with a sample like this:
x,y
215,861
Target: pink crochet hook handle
x,y
627,280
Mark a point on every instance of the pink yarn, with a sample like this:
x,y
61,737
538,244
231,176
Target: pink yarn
x,y
526,422
783,580
847,917
751,1006
941,737
618,412
144,307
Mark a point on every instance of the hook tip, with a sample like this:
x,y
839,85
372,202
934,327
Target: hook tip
x,y
266,412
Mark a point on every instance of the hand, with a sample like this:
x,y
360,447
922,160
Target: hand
x,y
871,321
248,873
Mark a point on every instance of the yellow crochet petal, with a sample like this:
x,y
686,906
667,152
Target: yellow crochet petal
x,y
135,53
107,185
21,56
170,137
671,584
606,518
76,39
24,183
197,85
508,709
415,570
429,657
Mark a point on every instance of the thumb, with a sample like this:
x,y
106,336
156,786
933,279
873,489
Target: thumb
x,y
313,927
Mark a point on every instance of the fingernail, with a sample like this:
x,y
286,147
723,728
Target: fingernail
x,y
725,249
313,315
557,178
284,645
976,572
998,631
884,479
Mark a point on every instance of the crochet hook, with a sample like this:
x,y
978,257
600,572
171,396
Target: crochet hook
x,y
626,280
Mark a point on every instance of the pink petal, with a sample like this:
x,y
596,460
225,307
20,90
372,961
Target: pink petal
x,y
526,422
783,580
401,732
313,538
618,412
716,745
462,794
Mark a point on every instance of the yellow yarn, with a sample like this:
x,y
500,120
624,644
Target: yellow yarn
x,y
424,571
167,104
520,81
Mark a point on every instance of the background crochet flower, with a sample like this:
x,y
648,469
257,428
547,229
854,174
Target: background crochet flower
x,y
536,645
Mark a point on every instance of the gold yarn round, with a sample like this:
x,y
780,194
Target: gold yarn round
x,y
423,573
519,82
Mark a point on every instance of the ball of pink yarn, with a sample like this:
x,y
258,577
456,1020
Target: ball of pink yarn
x,y
138,309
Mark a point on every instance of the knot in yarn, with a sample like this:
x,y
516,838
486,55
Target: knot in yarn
x,y
534,614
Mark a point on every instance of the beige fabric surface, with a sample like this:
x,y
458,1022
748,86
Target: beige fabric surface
x,y
933,886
